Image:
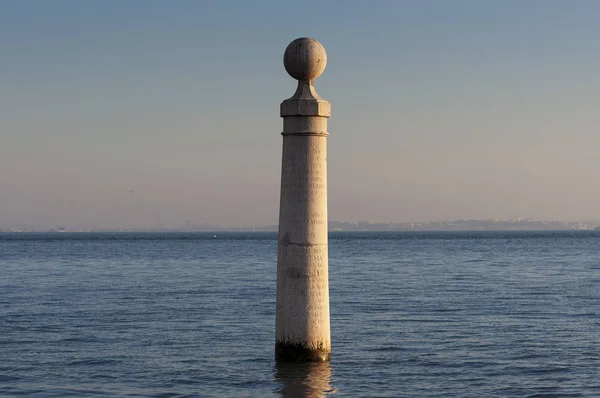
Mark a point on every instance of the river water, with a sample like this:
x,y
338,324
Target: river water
x,y
448,314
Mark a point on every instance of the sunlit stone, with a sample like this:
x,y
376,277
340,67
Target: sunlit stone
x,y
302,311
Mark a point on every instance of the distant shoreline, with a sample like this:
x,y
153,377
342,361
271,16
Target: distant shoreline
x,y
516,224
230,231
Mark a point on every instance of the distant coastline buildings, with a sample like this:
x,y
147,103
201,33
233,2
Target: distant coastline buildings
x,y
515,224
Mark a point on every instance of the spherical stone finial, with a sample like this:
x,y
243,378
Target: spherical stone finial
x,y
305,59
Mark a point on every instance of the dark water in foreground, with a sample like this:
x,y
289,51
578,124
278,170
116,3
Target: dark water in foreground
x,y
413,315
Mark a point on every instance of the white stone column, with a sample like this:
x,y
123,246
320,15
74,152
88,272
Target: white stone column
x,y
302,311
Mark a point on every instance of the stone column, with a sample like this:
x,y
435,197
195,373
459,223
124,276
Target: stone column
x,y
302,310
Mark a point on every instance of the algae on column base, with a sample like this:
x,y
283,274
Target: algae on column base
x,y
290,352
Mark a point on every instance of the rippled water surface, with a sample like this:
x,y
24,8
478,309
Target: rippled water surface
x,y
492,314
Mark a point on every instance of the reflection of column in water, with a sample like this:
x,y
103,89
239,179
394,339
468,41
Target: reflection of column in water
x,y
304,380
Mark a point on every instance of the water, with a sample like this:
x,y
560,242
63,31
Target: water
x,y
490,314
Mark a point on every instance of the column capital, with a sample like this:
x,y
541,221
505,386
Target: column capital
x,y
305,102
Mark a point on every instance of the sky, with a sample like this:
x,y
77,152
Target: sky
x,y
440,110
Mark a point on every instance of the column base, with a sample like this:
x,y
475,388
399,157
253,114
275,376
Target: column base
x,y
288,352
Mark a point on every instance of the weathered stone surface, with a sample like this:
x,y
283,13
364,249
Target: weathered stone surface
x,y
305,102
305,108
305,59
302,311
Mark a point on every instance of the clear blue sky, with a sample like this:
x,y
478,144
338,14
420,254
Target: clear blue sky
x,y
440,109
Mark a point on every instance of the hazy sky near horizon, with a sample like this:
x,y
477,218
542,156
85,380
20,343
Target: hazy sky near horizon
x,y
440,110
